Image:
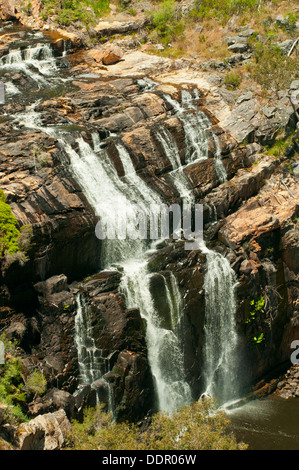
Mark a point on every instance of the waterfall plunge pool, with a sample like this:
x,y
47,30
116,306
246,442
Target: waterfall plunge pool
x,y
270,423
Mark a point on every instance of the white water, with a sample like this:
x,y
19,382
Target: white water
x,y
11,89
89,357
164,349
105,190
195,125
197,131
221,339
171,151
38,62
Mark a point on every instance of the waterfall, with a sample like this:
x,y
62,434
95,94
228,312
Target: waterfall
x,y
219,167
195,125
111,196
197,130
221,340
101,183
89,357
37,62
171,151
92,364
105,190
164,349
175,301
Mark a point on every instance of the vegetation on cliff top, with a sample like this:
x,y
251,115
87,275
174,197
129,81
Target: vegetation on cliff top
x,y
200,28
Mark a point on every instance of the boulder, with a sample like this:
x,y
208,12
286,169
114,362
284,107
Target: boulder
x,y
240,123
96,54
106,28
53,285
75,40
112,55
45,432
132,385
7,9
239,47
54,400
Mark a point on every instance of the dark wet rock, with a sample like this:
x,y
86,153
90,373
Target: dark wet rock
x,y
53,400
37,185
85,397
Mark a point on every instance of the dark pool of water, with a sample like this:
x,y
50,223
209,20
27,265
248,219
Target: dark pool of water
x,y
268,424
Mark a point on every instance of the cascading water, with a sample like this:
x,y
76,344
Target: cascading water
x,y
221,339
106,192
164,347
89,357
195,125
38,62
197,131
171,150
92,364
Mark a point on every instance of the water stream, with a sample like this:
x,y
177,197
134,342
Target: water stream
x,y
112,197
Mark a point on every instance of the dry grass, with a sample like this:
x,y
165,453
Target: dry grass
x,y
205,38
207,44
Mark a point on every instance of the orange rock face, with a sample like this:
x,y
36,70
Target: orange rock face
x,y
111,56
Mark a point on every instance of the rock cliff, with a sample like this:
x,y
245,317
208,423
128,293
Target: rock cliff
x,y
252,219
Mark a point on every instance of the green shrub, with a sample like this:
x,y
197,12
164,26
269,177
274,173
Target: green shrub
x,y
279,147
14,389
196,427
12,239
256,307
36,383
273,69
232,80
9,231
224,9
69,11
166,22
11,390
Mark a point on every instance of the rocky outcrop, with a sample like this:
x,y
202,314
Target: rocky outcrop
x,y
112,27
7,10
119,337
289,385
14,9
45,197
262,234
45,432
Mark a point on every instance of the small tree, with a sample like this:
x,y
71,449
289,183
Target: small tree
x,y
36,384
